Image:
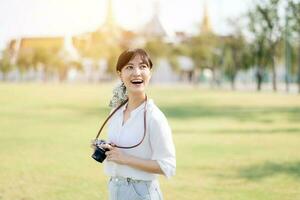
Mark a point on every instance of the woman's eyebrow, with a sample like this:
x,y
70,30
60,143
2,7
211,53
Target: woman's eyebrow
x,y
142,62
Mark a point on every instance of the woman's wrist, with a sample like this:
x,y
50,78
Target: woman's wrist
x,y
127,159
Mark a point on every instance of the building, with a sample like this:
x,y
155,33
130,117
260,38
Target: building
x,y
97,53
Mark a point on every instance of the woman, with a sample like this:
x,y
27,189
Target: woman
x,y
133,172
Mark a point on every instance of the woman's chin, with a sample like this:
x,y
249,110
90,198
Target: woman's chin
x,y
137,89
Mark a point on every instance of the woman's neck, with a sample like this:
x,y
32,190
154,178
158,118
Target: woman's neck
x,y
135,101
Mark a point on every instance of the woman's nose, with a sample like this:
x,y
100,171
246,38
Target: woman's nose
x,y
136,71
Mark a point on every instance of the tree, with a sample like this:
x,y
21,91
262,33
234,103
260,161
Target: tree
x,y
259,59
294,13
206,52
5,64
157,48
24,61
180,49
34,57
101,45
48,58
235,56
266,28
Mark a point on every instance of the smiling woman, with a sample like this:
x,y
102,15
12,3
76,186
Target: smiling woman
x,y
140,139
133,68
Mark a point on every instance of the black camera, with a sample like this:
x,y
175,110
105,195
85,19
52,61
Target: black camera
x,y
99,153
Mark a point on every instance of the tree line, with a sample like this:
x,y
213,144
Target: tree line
x,y
271,36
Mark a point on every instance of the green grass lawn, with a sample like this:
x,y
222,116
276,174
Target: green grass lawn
x,y
230,145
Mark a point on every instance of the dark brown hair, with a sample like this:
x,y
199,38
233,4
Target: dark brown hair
x,y
127,55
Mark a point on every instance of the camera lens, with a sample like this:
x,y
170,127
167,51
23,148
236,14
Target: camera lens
x,y
99,154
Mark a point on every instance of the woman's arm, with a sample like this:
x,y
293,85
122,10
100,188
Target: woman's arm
x,y
116,155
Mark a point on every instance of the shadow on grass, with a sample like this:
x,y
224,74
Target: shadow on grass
x,y
267,169
260,114
265,115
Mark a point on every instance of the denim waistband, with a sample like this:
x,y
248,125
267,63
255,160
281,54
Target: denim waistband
x,y
127,180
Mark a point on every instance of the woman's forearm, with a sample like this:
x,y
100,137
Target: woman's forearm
x,y
146,165
116,155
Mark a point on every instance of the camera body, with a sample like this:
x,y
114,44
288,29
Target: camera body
x,y
99,153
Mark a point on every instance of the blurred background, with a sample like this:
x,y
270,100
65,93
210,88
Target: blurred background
x,y
233,44
226,74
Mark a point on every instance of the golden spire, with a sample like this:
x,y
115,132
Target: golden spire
x,y
110,27
110,20
206,24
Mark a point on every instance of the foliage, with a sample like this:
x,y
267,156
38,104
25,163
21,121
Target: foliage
x,y
24,60
157,48
224,54
5,63
267,30
205,50
293,14
181,49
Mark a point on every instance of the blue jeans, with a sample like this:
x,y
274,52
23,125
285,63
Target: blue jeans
x,y
129,189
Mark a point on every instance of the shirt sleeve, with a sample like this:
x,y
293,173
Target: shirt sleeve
x,y
163,150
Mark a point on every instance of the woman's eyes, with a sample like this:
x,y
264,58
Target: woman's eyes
x,y
130,67
144,66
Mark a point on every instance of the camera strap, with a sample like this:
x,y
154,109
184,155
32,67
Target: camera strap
x,y
145,125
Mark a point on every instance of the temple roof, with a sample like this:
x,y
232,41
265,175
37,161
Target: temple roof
x,y
206,22
154,27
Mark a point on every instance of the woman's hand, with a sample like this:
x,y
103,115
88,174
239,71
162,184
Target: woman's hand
x,y
116,155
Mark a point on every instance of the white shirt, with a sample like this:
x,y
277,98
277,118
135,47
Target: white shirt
x,y
158,143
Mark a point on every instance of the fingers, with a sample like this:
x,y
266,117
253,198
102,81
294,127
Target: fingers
x,y
109,155
115,155
112,144
107,146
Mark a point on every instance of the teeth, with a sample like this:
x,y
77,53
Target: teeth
x,y
136,81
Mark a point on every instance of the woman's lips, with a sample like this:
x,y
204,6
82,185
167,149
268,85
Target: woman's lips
x,y
137,82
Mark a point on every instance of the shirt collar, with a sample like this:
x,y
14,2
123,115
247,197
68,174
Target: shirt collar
x,y
140,107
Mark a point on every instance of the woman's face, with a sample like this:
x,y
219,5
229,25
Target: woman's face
x,y
135,75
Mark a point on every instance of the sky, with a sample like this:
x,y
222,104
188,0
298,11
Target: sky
x,y
29,18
